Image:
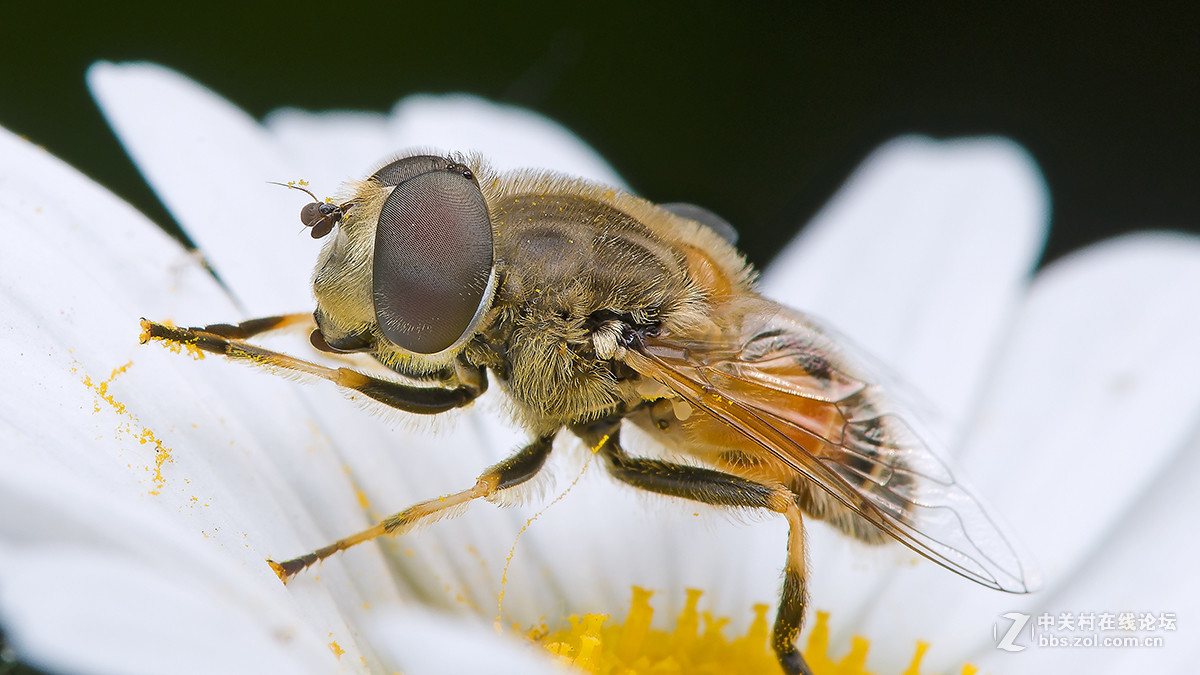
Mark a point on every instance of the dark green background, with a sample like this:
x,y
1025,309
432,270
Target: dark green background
x,y
758,116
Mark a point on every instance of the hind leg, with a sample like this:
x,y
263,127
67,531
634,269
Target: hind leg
x,y
720,489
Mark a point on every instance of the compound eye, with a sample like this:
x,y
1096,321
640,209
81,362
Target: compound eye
x,y
433,256
409,167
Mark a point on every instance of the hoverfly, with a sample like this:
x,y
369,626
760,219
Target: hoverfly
x,y
593,308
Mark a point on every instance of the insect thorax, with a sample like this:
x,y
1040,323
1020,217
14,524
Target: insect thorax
x,y
576,276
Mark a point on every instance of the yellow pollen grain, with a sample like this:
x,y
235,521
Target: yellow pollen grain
x,y
362,499
161,456
336,648
188,348
132,425
601,443
595,644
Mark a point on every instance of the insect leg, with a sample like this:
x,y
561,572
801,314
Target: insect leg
x,y
511,472
420,400
720,489
252,327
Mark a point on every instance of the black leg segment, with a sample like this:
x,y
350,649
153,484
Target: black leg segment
x,y
718,488
419,400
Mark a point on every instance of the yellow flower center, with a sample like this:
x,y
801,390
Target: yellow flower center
x,y
698,644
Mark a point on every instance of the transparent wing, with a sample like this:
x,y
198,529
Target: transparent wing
x,y
787,384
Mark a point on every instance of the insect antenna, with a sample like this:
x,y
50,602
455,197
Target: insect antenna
x,y
318,215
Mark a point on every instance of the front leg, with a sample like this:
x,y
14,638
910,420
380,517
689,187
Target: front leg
x,y
714,487
251,327
509,473
420,400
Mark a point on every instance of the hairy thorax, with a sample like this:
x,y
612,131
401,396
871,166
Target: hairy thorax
x,y
577,275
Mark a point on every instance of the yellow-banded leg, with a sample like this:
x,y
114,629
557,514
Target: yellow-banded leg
x,y
217,339
511,472
226,339
252,327
720,489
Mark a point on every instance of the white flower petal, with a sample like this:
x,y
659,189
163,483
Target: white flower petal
x,y
1094,397
87,268
921,259
209,163
1101,366
424,643
97,615
93,584
1146,565
338,146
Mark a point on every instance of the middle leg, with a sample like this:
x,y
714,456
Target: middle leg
x,y
509,473
718,488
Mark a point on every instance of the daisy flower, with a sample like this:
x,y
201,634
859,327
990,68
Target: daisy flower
x,y
141,491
